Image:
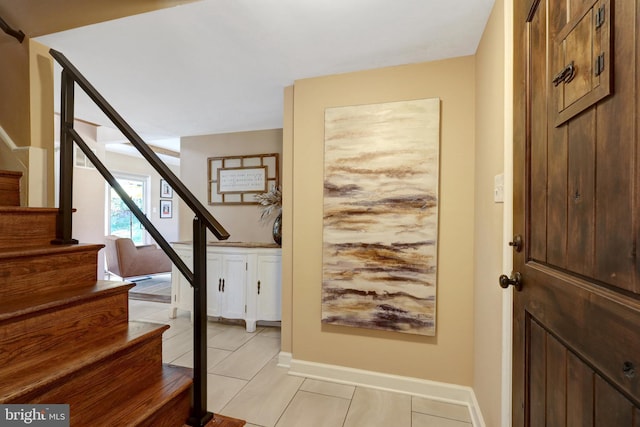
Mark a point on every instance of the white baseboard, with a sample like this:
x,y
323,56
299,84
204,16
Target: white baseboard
x,y
284,359
444,392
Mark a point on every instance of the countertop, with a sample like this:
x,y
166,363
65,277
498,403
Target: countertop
x,y
233,244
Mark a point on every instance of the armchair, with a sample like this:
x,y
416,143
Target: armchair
x,y
124,259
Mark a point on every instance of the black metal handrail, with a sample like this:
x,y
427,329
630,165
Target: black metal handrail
x,y
202,221
13,33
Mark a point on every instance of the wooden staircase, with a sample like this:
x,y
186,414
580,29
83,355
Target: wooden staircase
x,y
65,337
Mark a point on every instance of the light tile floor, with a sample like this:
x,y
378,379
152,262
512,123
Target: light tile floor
x,y
245,382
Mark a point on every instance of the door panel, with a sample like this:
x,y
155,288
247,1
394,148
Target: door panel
x,y
580,380
581,197
538,130
577,319
565,390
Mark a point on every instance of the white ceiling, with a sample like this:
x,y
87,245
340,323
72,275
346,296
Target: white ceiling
x,y
218,66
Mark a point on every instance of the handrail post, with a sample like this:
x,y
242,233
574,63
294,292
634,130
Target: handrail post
x,y
199,414
64,220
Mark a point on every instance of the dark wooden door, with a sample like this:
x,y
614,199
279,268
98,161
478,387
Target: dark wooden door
x,y
577,192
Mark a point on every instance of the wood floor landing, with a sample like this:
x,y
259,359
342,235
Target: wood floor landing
x,y
222,421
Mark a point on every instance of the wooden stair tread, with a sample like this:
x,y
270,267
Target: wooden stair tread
x,y
23,305
28,210
39,250
136,409
51,367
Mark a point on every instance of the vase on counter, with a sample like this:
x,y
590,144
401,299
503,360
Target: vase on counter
x,y
277,229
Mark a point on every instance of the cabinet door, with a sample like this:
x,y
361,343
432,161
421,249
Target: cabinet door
x,y
234,277
214,283
268,287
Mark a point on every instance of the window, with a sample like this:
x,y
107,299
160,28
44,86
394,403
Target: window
x,y
121,221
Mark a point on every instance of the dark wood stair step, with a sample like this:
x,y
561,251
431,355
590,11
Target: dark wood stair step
x,y
32,324
10,188
164,403
20,226
31,270
124,358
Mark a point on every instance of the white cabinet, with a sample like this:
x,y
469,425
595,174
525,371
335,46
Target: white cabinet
x,y
268,284
243,282
231,298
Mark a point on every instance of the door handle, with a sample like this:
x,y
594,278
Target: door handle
x,y
565,75
515,280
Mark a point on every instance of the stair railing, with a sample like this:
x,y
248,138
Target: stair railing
x,y
202,221
19,35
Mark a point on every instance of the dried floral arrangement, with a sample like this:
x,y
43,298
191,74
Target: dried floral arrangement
x,y
271,202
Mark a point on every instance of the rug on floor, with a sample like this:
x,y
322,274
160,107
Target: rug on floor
x,y
156,288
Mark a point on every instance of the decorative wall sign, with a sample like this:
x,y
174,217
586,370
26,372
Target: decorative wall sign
x,y
242,180
237,179
381,216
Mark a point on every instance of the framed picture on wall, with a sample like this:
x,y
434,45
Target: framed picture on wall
x,y
165,190
166,209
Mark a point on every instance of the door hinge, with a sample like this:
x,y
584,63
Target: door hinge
x,y
599,17
599,64
246,266
245,308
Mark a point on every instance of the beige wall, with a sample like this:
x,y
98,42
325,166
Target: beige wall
x,y
42,121
14,87
241,221
447,357
490,111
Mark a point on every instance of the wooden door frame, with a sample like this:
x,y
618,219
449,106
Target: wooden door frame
x,y
521,10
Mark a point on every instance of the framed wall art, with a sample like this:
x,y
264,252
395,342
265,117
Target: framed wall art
x,y
166,209
238,179
380,219
165,190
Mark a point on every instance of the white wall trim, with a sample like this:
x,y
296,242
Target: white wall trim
x,y
6,139
443,392
284,359
507,234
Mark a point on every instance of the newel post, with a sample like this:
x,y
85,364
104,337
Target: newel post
x,y
65,205
199,414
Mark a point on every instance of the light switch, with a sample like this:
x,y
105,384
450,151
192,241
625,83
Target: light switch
x,y
498,188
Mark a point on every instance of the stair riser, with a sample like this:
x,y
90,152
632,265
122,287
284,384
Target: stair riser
x,y
178,408
29,275
48,331
115,377
27,228
10,188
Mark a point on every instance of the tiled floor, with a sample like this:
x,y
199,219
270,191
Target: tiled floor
x,y
245,382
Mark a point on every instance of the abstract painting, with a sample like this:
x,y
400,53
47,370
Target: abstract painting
x,y
380,226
